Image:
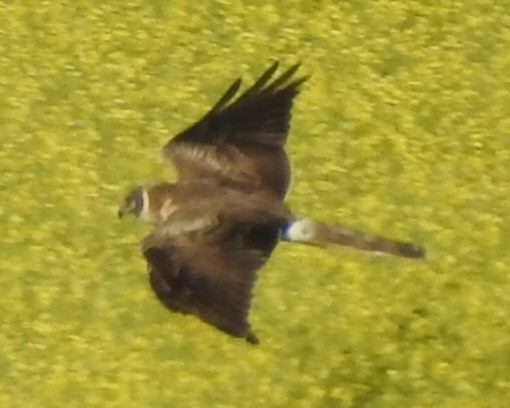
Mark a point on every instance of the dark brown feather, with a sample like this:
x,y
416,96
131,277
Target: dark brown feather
x,y
259,84
227,96
241,140
211,281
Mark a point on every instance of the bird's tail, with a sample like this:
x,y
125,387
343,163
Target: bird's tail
x,y
313,232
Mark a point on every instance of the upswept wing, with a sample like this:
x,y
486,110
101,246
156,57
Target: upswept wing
x,y
211,279
242,140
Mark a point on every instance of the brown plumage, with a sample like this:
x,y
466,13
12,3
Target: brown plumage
x,y
220,222
242,141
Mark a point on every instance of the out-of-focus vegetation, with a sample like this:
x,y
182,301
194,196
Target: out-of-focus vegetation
x,y
402,130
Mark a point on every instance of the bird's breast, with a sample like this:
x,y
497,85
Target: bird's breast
x,y
176,226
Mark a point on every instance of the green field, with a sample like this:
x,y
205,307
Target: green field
x,y
402,130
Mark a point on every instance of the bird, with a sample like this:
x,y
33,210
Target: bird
x,y
219,222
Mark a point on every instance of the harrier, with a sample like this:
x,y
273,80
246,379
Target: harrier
x,y
218,224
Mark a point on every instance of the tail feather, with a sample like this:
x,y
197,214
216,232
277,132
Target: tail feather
x,y
316,233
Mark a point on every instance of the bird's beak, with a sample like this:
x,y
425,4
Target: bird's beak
x,y
122,211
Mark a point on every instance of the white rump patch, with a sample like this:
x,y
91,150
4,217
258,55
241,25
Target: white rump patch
x,y
302,230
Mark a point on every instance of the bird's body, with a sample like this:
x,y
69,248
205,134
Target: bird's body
x,y
219,223
181,205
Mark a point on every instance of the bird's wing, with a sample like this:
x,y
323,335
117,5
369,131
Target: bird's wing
x,y
211,277
241,140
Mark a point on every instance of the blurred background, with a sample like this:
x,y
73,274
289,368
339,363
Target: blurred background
x,y
402,130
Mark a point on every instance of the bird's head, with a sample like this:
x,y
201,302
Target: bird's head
x,y
150,203
134,202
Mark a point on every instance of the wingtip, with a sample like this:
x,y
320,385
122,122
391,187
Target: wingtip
x,y
252,338
412,251
237,83
295,67
274,66
301,79
227,96
285,80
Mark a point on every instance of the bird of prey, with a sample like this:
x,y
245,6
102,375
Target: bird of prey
x,y
218,224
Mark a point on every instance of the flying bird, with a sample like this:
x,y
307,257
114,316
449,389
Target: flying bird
x,y
218,224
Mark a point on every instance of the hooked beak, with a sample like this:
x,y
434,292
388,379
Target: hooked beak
x,y
122,211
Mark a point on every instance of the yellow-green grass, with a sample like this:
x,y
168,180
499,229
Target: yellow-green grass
x,y
402,130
